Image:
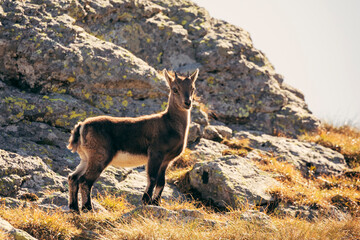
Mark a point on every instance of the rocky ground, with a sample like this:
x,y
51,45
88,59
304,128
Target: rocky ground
x,y
63,61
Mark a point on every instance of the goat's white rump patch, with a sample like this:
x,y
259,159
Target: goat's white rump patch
x,y
125,159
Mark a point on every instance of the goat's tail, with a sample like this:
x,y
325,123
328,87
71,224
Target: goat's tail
x,y
74,138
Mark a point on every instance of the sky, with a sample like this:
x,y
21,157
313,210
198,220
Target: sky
x,y
314,44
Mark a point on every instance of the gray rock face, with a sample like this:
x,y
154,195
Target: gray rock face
x,y
231,181
105,56
303,155
28,174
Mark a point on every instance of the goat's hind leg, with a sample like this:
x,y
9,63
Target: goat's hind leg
x,y
73,181
97,164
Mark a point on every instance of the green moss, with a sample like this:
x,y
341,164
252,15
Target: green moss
x,y
158,58
164,106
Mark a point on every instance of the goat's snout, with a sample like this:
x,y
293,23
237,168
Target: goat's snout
x,y
187,103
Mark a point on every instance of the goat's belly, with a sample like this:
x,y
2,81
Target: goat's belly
x,y
125,159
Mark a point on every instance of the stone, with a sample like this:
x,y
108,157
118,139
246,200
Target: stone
x,y
224,131
29,174
304,156
17,234
198,115
207,150
211,133
194,132
56,198
132,187
217,132
105,57
231,181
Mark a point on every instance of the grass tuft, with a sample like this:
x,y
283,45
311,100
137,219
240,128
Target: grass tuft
x,y
322,192
345,140
40,223
56,224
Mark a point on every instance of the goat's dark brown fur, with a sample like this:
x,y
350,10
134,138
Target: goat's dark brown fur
x,y
154,140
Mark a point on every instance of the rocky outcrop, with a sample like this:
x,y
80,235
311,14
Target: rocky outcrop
x,y
26,174
231,182
102,58
304,156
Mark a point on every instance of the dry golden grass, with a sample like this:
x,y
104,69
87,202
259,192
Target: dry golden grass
x,y
59,225
322,192
236,146
4,235
39,223
238,229
114,203
236,143
345,140
185,160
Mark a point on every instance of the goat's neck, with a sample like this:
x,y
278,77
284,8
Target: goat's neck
x,y
179,118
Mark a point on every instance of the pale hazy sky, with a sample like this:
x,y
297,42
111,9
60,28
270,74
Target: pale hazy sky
x,y
314,44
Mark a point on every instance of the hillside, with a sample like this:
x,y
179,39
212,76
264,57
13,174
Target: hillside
x,y
256,153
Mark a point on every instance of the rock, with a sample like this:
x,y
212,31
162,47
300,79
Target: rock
x,y
217,132
198,115
29,174
211,133
11,202
194,132
40,139
310,213
207,150
345,203
17,234
132,187
224,131
231,181
255,216
103,57
304,156
56,198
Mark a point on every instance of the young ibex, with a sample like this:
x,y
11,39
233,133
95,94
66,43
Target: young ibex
x,y
154,140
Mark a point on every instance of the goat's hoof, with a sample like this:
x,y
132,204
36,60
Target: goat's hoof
x,y
146,200
74,210
86,209
155,202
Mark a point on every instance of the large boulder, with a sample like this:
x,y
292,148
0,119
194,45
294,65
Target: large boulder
x,y
231,181
105,54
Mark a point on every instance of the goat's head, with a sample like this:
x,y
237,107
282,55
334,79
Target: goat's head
x,y
181,89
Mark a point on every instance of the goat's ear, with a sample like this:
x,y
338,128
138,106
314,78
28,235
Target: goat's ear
x,y
168,78
194,76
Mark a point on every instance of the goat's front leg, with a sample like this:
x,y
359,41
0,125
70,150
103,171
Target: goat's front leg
x,y
160,184
154,163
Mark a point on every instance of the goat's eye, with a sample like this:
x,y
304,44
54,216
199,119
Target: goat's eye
x,y
175,90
